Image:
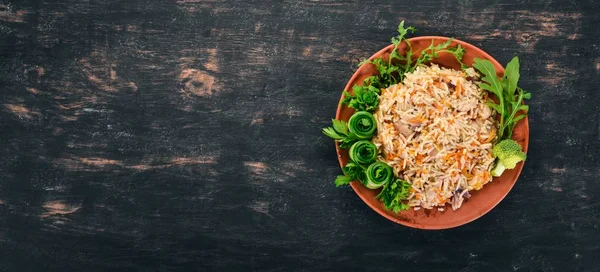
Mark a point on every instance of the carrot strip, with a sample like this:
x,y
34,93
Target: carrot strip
x,y
490,136
459,88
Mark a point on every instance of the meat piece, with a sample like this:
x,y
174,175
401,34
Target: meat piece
x,y
485,112
433,153
467,105
404,129
466,194
475,125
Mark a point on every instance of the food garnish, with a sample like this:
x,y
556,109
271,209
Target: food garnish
x,y
510,107
509,153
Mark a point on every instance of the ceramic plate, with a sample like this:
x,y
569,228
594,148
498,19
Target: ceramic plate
x,y
482,201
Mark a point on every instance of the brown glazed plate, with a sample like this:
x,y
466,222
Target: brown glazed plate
x,y
481,201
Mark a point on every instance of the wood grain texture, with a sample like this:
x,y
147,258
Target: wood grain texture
x,y
184,135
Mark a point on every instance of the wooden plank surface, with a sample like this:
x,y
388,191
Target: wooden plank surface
x,y
151,135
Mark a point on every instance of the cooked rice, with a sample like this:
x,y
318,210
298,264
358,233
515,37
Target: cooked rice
x,y
436,132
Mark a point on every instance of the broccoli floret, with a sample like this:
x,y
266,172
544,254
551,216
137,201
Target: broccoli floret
x,y
509,153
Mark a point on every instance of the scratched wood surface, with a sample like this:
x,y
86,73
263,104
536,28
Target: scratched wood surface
x,y
151,135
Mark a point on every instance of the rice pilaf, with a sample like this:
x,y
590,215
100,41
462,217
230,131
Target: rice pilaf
x,y
436,131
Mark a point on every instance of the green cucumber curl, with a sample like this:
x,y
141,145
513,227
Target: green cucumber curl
x,y
378,174
362,124
363,152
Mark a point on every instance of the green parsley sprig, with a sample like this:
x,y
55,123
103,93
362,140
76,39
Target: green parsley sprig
x,y
365,98
352,171
340,133
393,194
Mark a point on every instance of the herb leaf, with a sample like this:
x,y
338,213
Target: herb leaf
x,y
511,76
339,132
347,142
489,76
494,106
365,98
492,84
519,117
393,194
354,171
340,126
342,180
331,133
510,96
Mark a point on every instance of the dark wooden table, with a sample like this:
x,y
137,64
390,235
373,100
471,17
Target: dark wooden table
x,y
151,135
